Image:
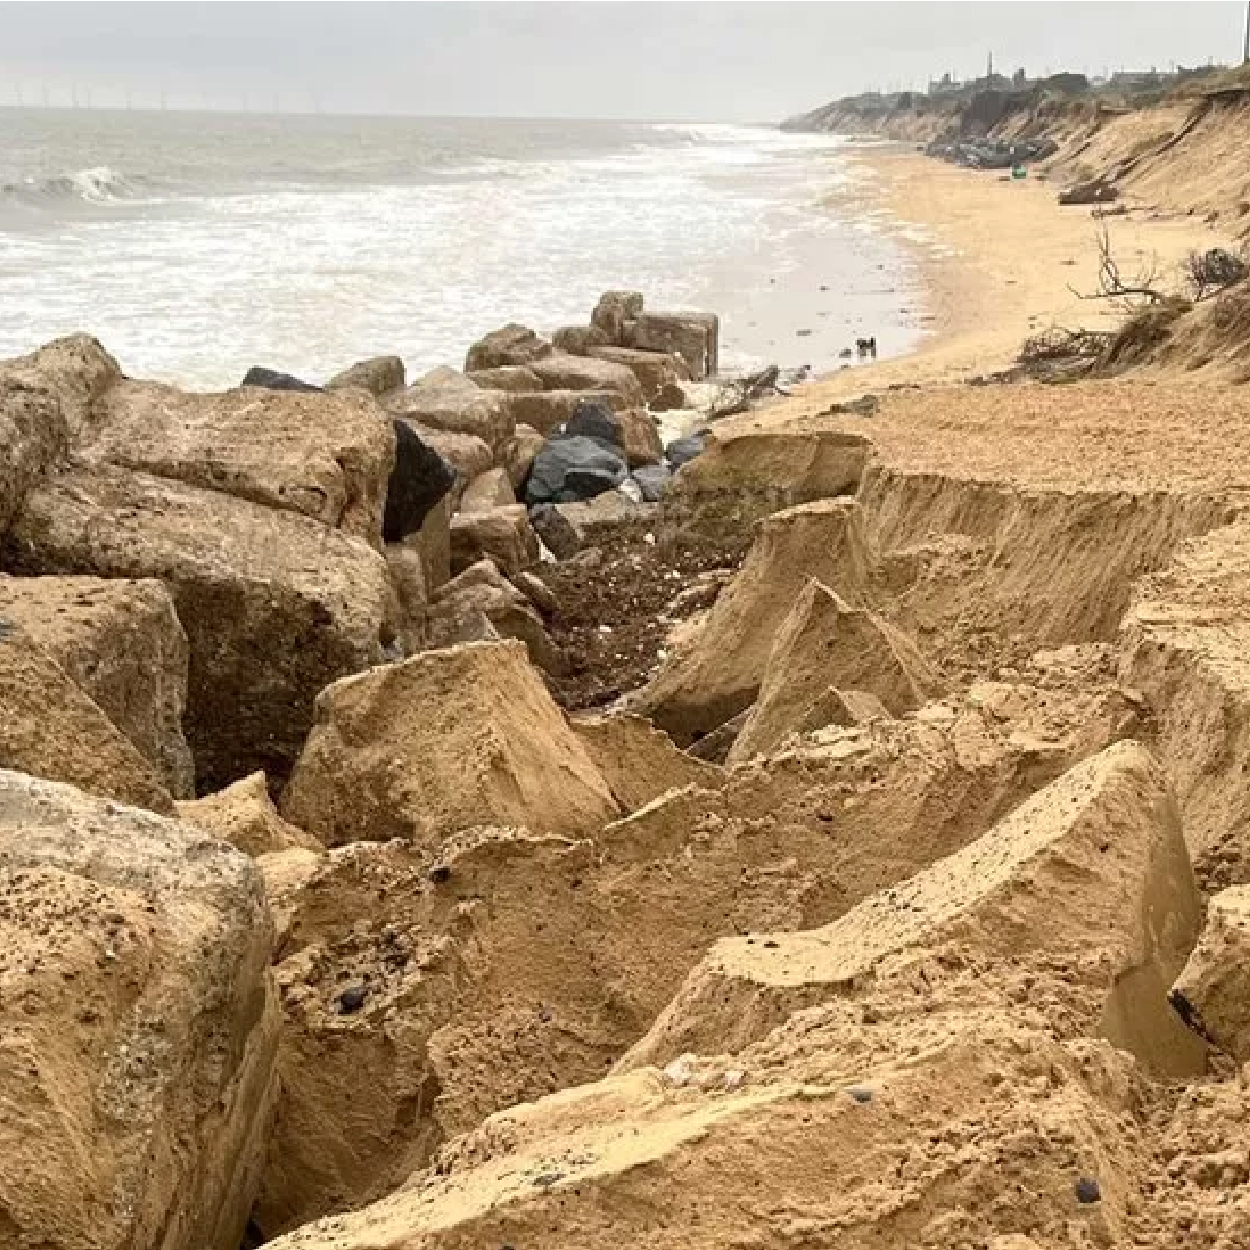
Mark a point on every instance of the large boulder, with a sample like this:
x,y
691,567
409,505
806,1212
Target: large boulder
x,y
504,534
138,1025
262,378
447,400
481,604
468,455
492,489
410,585
561,371
615,314
326,456
439,743
659,373
519,453
822,647
122,643
547,411
632,431
44,398
244,815
419,479
49,727
720,674
514,379
574,468
695,337
513,344
579,340
379,375
275,605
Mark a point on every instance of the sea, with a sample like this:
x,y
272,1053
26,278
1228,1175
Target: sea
x,y
196,245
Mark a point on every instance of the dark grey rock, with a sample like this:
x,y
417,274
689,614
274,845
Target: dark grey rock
x,y
653,480
559,535
352,999
682,450
592,418
420,478
272,380
1088,1190
572,468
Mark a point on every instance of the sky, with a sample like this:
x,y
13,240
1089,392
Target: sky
x,y
652,61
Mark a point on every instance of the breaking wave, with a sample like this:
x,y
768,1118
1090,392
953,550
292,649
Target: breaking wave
x,y
97,185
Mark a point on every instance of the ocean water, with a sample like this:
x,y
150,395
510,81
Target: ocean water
x,y
196,245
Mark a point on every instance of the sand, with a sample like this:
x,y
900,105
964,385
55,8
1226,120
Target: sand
x,y
999,261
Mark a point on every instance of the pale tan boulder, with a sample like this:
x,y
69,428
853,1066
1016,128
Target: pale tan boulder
x,y
695,337
511,378
825,643
438,743
519,452
512,344
1088,881
122,643
411,596
640,762
50,727
658,373
482,597
719,675
73,372
579,340
615,313
244,815
561,371
1213,991
326,456
138,1025
547,411
275,605
432,542
447,400
640,437
469,455
502,533
492,489
379,375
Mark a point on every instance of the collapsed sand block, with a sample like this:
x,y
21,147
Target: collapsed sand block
x,y
985,1130
139,1027
638,761
741,477
1048,567
447,400
441,742
501,966
1184,644
488,490
720,675
1213,991
1087,883
822,643
244,815
326,456
503,533
695,337
275,605
379,375
49,727
561,372
123,644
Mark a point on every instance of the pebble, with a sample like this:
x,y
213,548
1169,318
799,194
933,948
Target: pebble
x,y
1088,1190
352,999
861,1093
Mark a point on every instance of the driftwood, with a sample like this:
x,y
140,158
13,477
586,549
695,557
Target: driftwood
x,y
1112,283
737,396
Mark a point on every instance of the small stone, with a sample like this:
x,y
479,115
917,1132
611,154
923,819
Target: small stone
x,y
440,873
352,999
861,1093
1088,1190
545,1180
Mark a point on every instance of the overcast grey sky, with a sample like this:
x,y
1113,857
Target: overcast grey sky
x,y
713,61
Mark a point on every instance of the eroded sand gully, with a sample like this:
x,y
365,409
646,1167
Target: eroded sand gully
x,y
904,904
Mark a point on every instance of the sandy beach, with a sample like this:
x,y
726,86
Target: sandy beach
x,y
999,260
